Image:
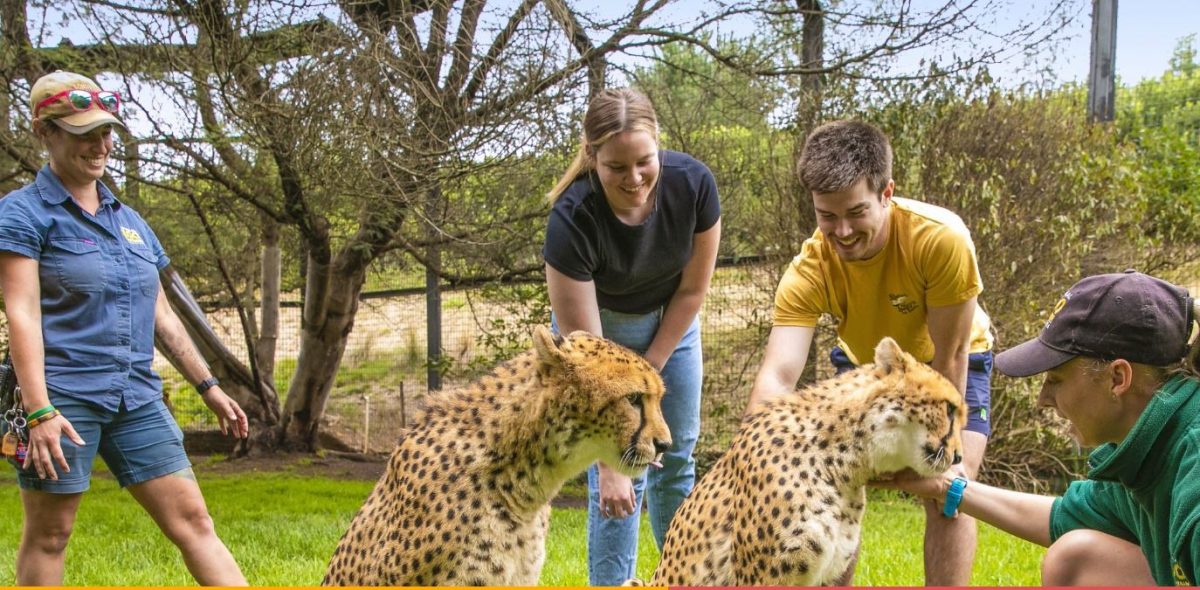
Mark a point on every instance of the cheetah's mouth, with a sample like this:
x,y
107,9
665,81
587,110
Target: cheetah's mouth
x,y
635,462
937,458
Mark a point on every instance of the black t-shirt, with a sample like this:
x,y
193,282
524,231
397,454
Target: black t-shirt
x,y
636,269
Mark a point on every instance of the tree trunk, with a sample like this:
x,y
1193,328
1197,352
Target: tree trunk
x,y
812,51
260,402
800,213
330,303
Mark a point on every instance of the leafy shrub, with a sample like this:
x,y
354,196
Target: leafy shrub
x,y
1042,191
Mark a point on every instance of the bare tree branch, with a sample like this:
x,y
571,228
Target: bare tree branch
x,y
464,46
579,39
499,44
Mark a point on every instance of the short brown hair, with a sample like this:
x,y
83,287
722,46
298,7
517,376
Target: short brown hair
x,y
839,153
611,111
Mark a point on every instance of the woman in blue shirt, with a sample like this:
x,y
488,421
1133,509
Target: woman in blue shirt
x,y
630,250
79,274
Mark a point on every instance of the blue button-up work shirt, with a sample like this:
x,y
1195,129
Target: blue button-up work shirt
x,y
99,282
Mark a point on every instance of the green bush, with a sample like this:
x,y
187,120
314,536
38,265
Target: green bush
x,y
1160,117
1041,191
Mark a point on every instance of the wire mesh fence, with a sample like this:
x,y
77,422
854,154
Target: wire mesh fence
x,y
382,379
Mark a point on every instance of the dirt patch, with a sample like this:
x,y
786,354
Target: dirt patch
x,y
301,464
346,419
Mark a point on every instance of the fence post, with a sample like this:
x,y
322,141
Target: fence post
x,y
433,297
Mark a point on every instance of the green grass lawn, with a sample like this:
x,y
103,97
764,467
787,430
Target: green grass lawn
x,y
892,549
282,528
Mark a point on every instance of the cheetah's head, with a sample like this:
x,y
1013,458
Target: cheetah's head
x,y
918,415
618,393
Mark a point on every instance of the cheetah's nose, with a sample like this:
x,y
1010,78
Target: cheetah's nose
x,y
661,446
957,458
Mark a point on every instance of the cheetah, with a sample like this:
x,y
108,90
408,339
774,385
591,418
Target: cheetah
x,y
783,506
465,498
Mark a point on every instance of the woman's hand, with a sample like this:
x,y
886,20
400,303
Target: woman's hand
x,y
929,488
617,498
45,446
229,413
658,361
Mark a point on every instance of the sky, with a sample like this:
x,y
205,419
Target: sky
x,y
1147,33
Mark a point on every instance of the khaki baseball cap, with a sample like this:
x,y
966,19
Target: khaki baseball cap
x,y
62,111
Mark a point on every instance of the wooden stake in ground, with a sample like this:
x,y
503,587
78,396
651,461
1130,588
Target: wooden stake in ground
x,y
366,424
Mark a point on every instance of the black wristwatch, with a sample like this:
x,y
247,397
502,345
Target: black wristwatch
x,y
206,385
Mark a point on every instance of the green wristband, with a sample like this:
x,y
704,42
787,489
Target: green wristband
x,y
40,413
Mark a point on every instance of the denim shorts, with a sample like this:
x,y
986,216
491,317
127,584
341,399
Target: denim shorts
x,y
137,445
979,386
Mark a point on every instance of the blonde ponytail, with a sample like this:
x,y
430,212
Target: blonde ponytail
x,y
611,111
1191,363
578,166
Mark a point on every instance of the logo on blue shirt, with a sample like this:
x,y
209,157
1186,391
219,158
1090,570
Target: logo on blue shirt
x,y
132,236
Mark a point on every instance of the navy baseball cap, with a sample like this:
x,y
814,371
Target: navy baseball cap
x,y
1128,315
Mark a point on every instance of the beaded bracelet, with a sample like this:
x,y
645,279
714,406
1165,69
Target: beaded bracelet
x,y
42,412
52,414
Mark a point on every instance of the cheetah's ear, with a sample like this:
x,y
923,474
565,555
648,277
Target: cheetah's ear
x,y
888,356
550,346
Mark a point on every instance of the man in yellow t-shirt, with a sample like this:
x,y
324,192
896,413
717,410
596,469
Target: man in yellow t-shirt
x,y
885,266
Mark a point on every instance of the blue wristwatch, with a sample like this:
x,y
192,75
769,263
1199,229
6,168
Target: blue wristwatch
x,y
954,496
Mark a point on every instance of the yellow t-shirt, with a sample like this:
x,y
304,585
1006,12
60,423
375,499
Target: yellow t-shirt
x,y
928,261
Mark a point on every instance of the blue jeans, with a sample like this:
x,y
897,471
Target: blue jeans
x,y
612,543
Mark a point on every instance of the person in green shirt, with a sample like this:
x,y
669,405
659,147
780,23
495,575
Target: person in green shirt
x,y
1117,365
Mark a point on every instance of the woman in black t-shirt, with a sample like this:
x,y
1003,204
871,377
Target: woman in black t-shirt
x,y
630,250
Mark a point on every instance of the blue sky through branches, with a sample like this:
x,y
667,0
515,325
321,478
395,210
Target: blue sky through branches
x,y
1147,33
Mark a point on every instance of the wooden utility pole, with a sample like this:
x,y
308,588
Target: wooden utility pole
x,y
1102,75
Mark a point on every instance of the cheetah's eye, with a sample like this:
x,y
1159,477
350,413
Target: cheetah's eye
x,y
951,409
635,399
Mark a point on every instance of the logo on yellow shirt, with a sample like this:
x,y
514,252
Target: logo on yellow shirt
x,y
902,302
132,236
1181,578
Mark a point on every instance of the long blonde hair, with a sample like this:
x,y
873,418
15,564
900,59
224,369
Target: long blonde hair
x,y
1191,363
612,111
